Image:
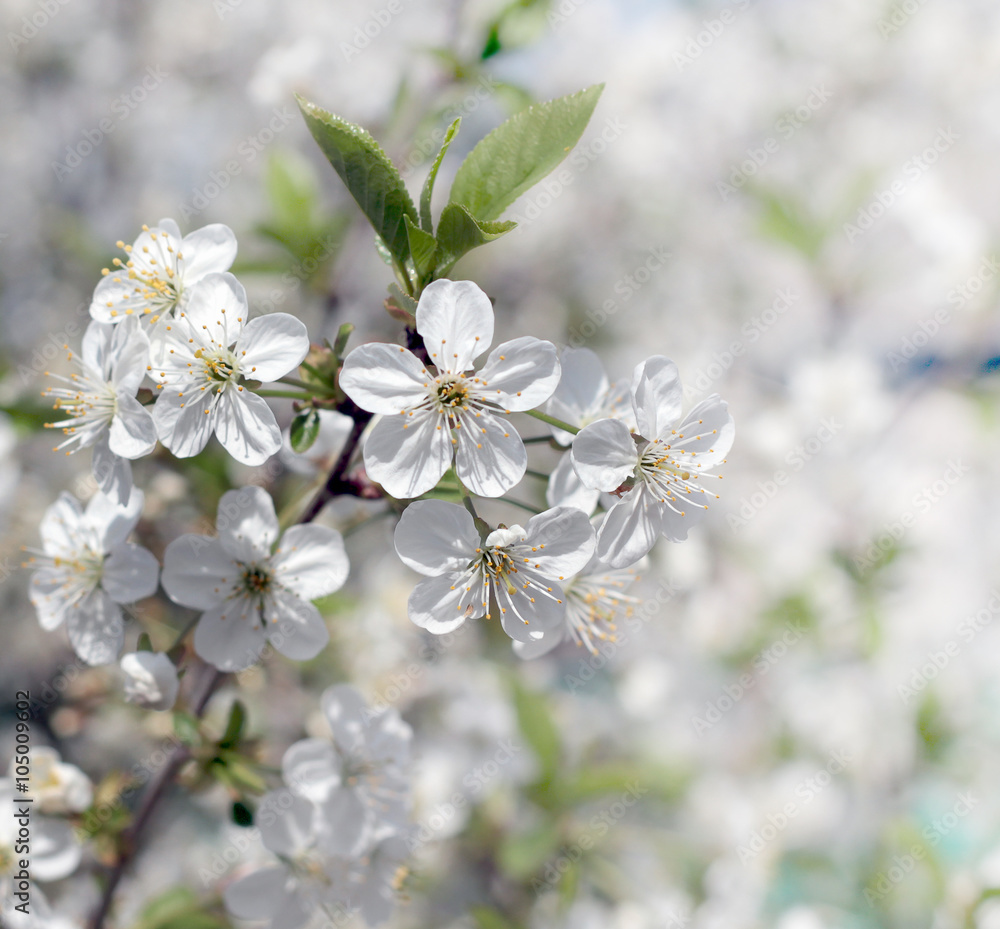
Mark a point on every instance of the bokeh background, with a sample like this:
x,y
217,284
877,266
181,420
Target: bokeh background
x,y
798,203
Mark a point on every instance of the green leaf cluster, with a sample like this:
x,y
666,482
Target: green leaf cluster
x,y
499,169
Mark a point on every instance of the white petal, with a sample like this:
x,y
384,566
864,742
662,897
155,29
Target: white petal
x,y
490,456
202,317
408,455
258,895
60,525
130,573
559,541
211,248
112,473
132,433
434,537
198,572
230,635
294,626
48,597
247,524
708,431
455,319
246,427
182,424
311,561
271,346
521,374
55,853
582,385
111,521
285,822
383,378
345,820
311,769
150,680
604,454
95,627
566,489
630,529
540,646
441,604
130,355
95,346
526,615
346,712
656,396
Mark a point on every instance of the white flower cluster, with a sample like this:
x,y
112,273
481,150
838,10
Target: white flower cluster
x,y
444,412
338,827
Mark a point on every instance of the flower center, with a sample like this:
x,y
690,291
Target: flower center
x,y
256,580
221,364
452,393
151,277
90,403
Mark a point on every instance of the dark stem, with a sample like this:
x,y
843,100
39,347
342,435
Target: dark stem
x,y
337,482
156,791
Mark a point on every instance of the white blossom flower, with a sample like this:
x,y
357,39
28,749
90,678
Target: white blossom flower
x,y
657,473
87,568
520,568
429,419
150,680
583,396
595,603
310,880
360,779
57,786
55,854
250,595
159,269
208,349
100,403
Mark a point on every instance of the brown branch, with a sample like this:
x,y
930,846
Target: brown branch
x,y
155,793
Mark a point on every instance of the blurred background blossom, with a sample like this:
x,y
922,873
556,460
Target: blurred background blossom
x,y
797,726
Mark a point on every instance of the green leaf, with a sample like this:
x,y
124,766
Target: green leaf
x,y
426,221
234,727
304,430
145,643
368,174
401,306
178,909
186,727
423,248
487,918
518,154
460,232
525,853
538,728
242,815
